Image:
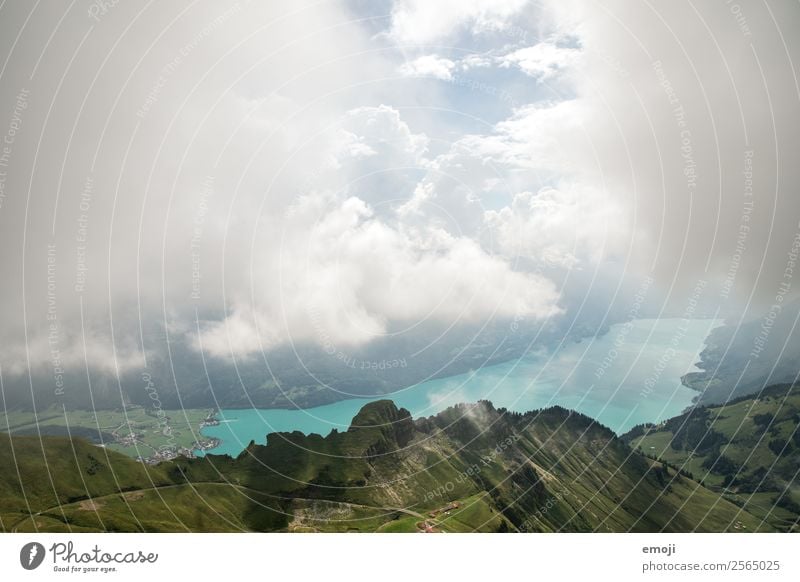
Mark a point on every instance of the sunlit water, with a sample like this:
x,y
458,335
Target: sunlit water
x,y
626,377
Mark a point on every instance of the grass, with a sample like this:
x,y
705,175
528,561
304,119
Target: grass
x,y
406,524
741,465
475,514
207,507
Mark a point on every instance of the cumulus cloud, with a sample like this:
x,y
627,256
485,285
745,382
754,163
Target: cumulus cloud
x,y
544,60
349,146
429,66
341,274
423,22
382,128
551,137
555,209
562,228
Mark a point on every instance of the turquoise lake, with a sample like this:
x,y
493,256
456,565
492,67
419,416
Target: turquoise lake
x,y
626,377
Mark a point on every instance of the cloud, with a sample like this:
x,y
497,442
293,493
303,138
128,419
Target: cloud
x,y
550,137
155,165
264,168
544,61
565,228
383,129
349,146
669,116
341,274
423,22
429,66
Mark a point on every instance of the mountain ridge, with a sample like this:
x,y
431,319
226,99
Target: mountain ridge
x,y
472,467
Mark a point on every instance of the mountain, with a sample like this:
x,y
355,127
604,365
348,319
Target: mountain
x,y
742,357
470,468
747,450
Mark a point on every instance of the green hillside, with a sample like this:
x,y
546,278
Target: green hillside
x,y
469,468
747,450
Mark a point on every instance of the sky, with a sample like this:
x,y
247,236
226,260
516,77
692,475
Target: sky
x,y
247,176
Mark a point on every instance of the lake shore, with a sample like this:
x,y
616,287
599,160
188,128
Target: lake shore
x,y
628,376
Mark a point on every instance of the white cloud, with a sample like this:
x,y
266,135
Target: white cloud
x,y
341,274
569,221
551,137
424,21
544,60
383,131
349,146
376,156
566,227
429,66
475,62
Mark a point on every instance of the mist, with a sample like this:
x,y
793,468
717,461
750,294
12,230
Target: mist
x,y
237,198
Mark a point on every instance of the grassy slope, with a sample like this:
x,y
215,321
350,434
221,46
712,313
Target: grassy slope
x,y
748,450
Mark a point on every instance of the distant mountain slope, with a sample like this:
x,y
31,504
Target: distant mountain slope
x,y
469,468
747,450
741,359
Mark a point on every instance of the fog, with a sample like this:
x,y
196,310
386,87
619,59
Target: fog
x,y
231,183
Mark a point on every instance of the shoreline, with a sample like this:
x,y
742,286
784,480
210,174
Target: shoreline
x,y
521,385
